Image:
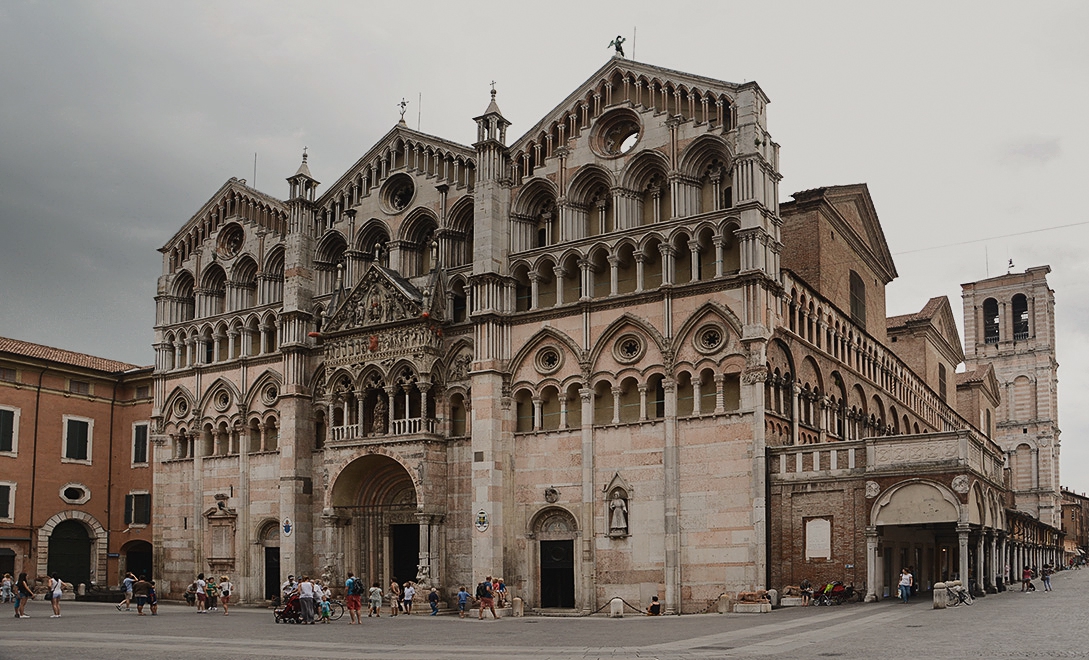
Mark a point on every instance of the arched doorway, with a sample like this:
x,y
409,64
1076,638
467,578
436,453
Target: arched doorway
x,y
137,556
70,552
377,494
555,531
270,546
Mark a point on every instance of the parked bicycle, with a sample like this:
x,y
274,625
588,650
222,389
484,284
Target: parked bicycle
x,y
336,610
957,594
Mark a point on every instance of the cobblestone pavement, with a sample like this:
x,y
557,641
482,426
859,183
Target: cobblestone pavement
x,y
1008,625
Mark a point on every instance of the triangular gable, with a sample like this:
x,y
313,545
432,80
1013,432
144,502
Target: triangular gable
x,y
983,378
233,186
389,142
636,70
381,297
856,210
938,320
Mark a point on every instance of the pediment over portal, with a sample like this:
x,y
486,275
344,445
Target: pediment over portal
x,y
382,297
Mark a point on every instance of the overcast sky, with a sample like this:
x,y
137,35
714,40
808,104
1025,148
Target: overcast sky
x,y
118,120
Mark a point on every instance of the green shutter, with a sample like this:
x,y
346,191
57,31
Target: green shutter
x,y
77,440
143,509
139,454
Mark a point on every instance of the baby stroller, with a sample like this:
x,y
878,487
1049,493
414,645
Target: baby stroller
x,y
834,593
291,612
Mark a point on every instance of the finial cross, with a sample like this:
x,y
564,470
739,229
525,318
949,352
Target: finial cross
x,y
402,105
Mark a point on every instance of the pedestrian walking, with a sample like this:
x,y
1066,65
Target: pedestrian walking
x,y
486,597
225,591
374,595
906,580
1046,575
23,593
5,588
1026,578
433,601
153,599
409,594
126,586
463,602
353,586
56,589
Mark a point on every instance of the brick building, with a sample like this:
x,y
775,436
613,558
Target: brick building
x,y
1075,526
599,360
75,464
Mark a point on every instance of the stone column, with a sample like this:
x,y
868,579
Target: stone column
x,y
980,562
537,421
614,274
640,257
616,405
720,394
871,564
670,458
962,569
559,273
589,490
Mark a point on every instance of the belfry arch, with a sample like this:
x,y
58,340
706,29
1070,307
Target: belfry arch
x,y
374,505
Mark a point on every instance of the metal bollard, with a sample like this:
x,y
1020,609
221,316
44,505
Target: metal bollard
x,y
941,596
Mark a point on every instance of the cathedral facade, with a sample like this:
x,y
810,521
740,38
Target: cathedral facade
x,y
577,360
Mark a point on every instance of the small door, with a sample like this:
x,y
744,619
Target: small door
x,y
558,574
138,560
406,552
70,552
272,573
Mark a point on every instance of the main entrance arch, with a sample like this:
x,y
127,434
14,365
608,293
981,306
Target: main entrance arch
x,y
70,552
555,531
375,493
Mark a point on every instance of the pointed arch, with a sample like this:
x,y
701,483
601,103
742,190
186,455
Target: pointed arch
x,y
605,339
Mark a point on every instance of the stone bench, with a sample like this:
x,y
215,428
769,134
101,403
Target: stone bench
x,y
790,601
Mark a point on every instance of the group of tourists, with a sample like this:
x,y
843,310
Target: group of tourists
x,y
19,591
312,598
209,594
142,591
1030,572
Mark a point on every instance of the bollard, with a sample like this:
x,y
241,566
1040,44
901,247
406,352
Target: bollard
x,y
516,607
773,597
616,608
941,596
724,605
82,589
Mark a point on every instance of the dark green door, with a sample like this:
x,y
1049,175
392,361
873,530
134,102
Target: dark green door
x,y
406,551
70,552
557,574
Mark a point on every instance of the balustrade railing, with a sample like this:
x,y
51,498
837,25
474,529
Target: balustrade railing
x,y
396,427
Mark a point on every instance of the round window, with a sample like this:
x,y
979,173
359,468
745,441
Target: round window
x,y
222,400
397,193
549,359
181,407
616,133
269,394
710,338
231,239
629,348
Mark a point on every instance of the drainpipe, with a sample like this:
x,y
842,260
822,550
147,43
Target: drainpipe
x,y
34,457
109,490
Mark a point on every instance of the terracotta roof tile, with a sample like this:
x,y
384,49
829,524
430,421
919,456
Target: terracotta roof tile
x,y
62,356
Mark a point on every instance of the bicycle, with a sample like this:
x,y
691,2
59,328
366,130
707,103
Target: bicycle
x,y
336,610
956,594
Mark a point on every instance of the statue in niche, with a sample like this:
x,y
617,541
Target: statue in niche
x,y
378,425
376,307
618,514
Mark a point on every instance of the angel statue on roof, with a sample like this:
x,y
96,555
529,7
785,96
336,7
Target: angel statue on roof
x,y
618,44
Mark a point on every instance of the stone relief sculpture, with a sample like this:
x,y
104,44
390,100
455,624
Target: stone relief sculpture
x,y
618,514
378,424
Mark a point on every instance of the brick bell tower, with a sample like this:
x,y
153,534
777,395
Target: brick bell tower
x,y
1009,322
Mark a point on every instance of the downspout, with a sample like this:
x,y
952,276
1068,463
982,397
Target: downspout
x,y
34,452
109,488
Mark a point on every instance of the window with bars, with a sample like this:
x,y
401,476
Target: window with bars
x,y
79,387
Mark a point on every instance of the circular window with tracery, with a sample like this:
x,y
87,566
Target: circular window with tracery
x,y
549,360
397,193
181,407
269,394
629,348
231,239
222,400
616,133
710,338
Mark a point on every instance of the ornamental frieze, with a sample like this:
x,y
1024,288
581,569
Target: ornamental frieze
x,y
384,344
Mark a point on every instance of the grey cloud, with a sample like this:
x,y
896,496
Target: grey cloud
x,y
1031,151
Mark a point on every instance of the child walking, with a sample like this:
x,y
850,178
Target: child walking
x,y
326,609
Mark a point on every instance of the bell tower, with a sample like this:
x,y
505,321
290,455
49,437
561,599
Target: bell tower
x,y
1009,322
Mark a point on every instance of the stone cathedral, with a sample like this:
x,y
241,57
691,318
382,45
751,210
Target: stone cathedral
x,y
579,360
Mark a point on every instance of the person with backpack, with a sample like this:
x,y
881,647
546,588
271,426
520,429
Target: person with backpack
x,y
354,587
486,596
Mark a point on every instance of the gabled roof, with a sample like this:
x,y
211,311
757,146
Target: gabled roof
x,y
936,318
636,70
61,356
982,377
400,131
851,209
233,185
